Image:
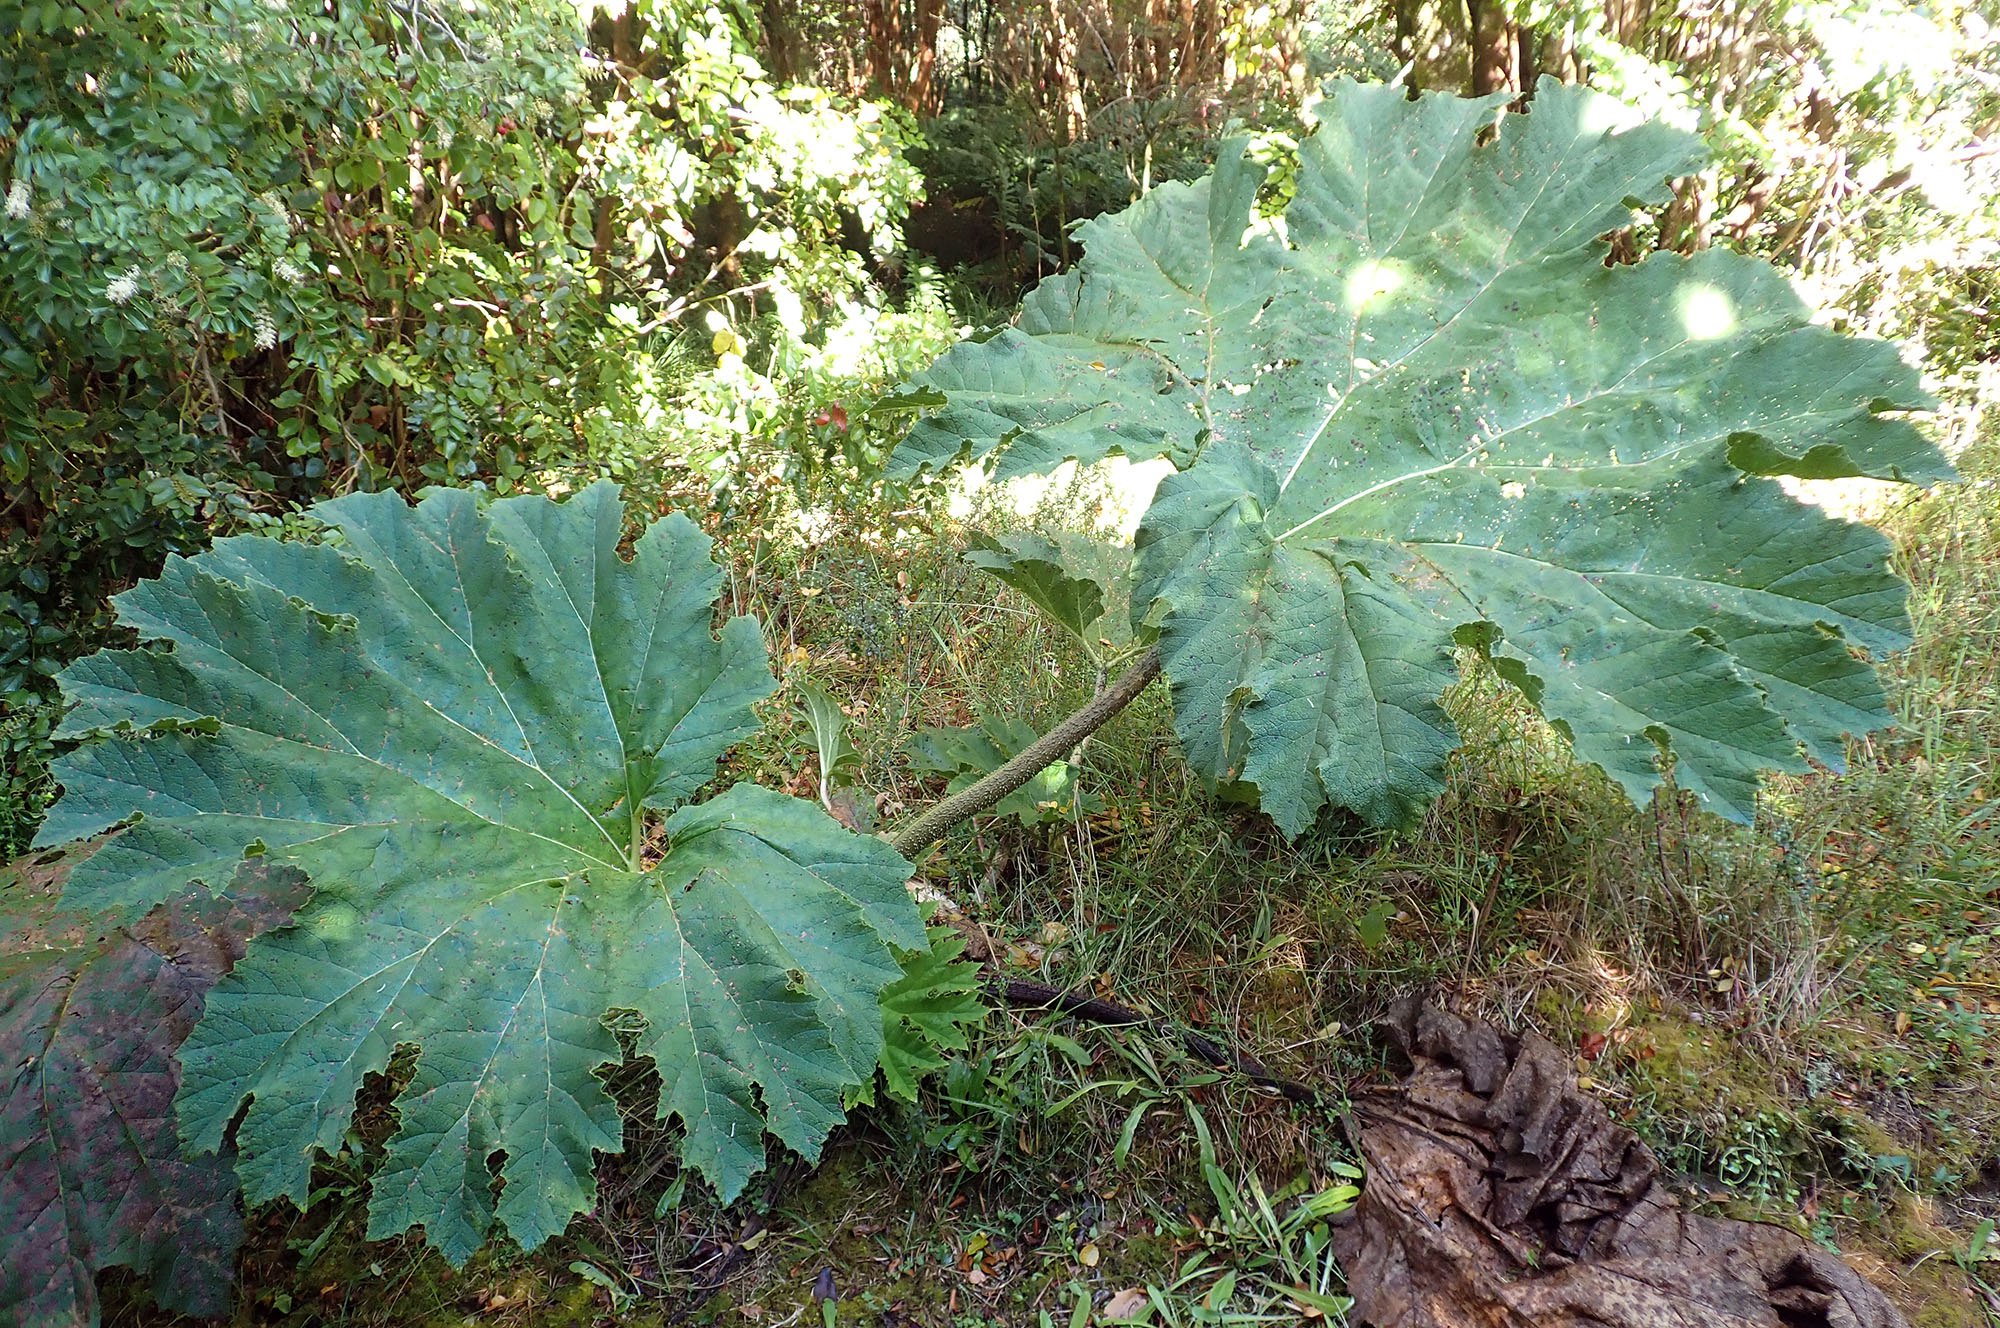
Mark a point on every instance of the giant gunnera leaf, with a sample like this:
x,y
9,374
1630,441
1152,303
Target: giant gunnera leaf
x,y
455,723
1418,412
91,1016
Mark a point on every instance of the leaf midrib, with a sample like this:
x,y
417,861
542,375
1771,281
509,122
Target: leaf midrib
x,y
535,762
1354,336
1611,393
535,983
604,694
1814,612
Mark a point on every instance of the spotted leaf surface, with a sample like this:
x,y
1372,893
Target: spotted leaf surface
x,y
91,1016
1418,414
454,724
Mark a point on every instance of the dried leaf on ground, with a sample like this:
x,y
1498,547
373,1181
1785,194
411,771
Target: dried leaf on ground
x,y
1500,1196
1124,1304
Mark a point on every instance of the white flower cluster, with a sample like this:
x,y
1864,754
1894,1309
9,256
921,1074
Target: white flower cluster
x,y
124,286
274,203
287,271
18,199
266,328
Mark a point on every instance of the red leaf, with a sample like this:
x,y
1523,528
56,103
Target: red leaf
x,y
92,1161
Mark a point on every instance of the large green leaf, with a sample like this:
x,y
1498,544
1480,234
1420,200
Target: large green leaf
x,y
91,1172
453,725
1421,413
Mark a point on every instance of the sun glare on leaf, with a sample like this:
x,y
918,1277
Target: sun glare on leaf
x,y
1374,279
1706,313
1607,115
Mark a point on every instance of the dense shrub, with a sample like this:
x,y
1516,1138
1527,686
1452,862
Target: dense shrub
x,y
253,253
1006,189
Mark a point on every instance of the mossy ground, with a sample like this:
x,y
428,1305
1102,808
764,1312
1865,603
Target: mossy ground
x,y
1800,1016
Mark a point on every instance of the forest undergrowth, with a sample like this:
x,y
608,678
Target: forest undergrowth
x,y
1798,1016
705,251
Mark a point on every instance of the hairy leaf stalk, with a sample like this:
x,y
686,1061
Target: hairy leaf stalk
x,y
1045,750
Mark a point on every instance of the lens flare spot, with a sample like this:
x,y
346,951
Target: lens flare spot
x,y
1373,282
1707,314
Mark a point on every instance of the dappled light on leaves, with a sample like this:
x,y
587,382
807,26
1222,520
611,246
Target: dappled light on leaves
x,y
1431,416
1706,313
1373,282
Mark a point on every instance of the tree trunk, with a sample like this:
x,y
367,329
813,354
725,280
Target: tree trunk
x,y
1200,62
1065,83
1494,48
1557,56
1207,41
883,20
781,43
1184,52
1160,45
899,68
929,14
1626,21
1408,34
1686,225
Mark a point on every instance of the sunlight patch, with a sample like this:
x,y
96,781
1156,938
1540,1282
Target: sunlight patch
x,y
1372,281
1706,312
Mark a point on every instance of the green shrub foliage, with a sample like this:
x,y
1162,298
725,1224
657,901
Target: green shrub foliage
x,y
255,252
252,253
1419,413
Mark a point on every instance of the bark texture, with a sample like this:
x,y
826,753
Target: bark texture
x,y
1499,1195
